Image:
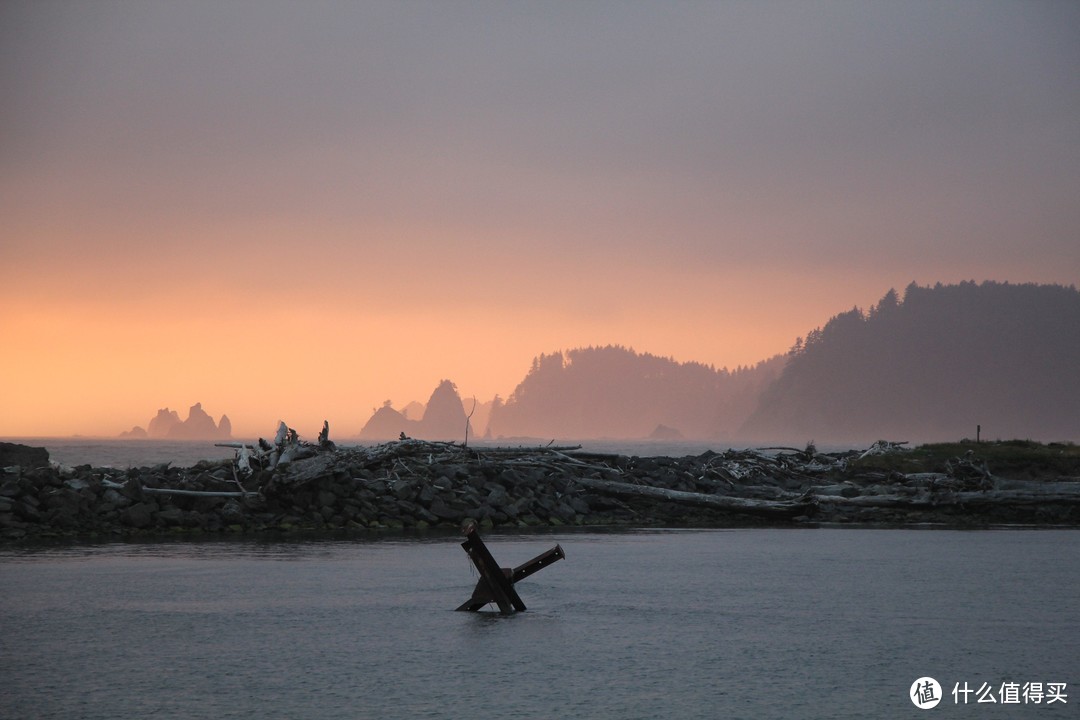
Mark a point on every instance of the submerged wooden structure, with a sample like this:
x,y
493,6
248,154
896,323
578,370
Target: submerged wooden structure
x,y
496,584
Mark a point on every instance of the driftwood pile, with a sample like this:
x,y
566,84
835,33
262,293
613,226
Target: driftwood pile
x,y
290,484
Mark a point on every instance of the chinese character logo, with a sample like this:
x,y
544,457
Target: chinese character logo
x,y
925,693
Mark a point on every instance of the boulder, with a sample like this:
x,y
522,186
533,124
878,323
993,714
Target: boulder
x,y
139,515
171,516
25,456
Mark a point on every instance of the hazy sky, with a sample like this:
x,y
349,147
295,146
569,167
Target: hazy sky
x,y
298,210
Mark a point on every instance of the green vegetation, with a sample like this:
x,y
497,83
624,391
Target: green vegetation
x,y
1015,459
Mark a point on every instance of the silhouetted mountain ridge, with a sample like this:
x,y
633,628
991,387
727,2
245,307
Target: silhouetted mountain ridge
x,y
613,391
934,365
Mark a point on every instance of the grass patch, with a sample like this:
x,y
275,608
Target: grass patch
x,y
1018,459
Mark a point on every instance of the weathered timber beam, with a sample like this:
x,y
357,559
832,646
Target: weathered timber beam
x,y
1000,498
495,583
767,508
539,562
197,493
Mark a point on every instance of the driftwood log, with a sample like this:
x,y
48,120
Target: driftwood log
x,y
198,493
764,508
288,485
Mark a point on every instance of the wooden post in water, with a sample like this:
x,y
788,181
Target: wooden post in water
x,y
496,584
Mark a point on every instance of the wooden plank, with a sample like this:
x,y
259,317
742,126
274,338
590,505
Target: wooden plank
x,y
539,562
498,584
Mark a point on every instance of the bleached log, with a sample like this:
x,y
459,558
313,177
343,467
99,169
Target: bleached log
x,y
926,477
766,508
292,453
570,460
974,498
883,447
480,450
197,493
316,467
243,459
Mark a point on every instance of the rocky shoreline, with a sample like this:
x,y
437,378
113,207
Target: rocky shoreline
x,y
414,484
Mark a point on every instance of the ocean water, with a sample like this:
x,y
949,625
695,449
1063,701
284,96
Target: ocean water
x,y
122,454
764,623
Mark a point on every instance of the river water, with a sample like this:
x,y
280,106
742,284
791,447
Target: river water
x,y
770,623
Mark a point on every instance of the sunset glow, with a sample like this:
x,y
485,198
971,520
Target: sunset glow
x,y
298,214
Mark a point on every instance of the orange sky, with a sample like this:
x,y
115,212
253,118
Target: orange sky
x,y
296,212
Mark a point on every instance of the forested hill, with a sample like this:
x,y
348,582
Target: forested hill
x,y
934,365
615,392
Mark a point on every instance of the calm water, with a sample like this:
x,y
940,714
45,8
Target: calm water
x,y
106,452
101,452
682,624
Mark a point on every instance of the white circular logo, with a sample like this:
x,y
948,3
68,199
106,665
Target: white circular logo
x,y
925,693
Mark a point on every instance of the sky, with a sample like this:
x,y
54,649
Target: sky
x,y
298,210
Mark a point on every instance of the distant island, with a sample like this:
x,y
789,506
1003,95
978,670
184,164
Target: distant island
x,y
937,363
443,418
596,392
940,363
198,426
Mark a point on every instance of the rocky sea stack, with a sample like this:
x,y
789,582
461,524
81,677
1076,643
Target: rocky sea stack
x,y
168,425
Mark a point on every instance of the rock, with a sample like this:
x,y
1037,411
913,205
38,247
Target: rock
x,y
563,512
139,515
579,505
161,425
386,422
25,456
133,489
444,416
7,520
498,496
198,425
171,516
114,498
403,489
443,511
232,513
663,432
